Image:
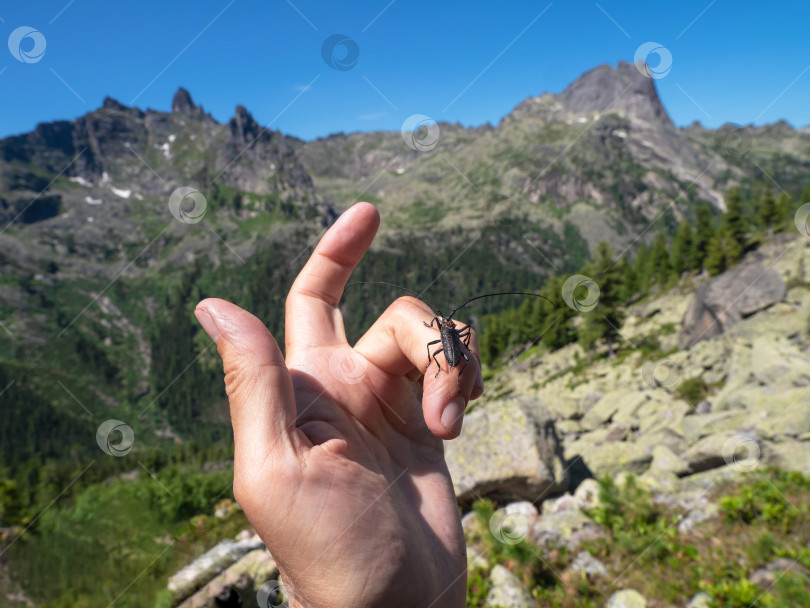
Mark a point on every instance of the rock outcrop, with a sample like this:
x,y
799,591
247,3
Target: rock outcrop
x,y
508,451
238,585
211,564
736,294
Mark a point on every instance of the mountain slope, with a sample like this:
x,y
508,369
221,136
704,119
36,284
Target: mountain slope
x,y
98,279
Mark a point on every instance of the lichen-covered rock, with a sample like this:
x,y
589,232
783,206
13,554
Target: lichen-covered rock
x,y
475,561
509,450
720,449
507,591
701,425
723,301
621,402
766,576
788,454
700,600
626,598
566,502
659,482
700,510
665,460
610,458
564,529
210,564
512,523
585,563
588,494
240,581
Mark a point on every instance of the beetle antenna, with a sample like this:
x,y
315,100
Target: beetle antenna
x,y
417,294
500,293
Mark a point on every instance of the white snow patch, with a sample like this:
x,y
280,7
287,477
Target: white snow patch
x,y
92,201
121,193
105,178
400,171
619,133
192,137
139,196
90,219
172,138
647,143
165,149
582,119
80,180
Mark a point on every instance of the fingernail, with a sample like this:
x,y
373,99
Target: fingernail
x,y
453,416
207,323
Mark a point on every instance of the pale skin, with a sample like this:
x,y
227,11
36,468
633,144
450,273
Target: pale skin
x,y
338,452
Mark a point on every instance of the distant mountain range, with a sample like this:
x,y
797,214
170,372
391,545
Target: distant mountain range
x,y
602,157
93,264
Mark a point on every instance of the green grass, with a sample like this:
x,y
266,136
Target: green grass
x,y
693,390
87,553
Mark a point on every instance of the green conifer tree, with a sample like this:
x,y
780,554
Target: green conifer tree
x,y
784,211
604,321
767,212
630,285
683,249
734,221
557,330
660,269
723,253
642,269
492,341
704,231
805,198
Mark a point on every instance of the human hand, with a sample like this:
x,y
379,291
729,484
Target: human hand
x,y
338,455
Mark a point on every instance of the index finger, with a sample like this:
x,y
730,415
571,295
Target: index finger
x,y
312,315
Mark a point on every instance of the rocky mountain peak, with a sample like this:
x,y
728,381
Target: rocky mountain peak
x,y
182,102
113,104
244,127
622,88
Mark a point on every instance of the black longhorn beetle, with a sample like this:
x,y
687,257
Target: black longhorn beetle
x,y
451,337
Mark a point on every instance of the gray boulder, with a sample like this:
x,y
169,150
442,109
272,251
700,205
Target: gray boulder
x,y
586,563
700,600
509,451
507,591
766,576
736,294
241,581
569,529
210,564
626,598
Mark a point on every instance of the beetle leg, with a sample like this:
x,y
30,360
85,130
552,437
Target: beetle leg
x,y
428,345
465,336
439,367
434,320
458,378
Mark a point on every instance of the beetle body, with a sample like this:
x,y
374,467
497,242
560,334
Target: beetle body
x,y
451,344
454,342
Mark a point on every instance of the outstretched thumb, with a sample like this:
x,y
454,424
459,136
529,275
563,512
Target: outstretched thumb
x,y
257,382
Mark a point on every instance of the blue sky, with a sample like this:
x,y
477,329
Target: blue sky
x,y
471,62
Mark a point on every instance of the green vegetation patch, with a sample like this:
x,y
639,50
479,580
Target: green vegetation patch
x,y
764,517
